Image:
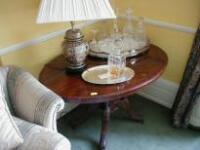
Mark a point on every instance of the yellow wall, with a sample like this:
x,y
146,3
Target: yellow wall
x,y
17,24
34,58
183,12
176,44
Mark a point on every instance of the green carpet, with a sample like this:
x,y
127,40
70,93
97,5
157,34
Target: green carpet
x,y
155,134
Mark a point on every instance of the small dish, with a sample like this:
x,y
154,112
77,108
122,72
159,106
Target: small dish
x,y
94,75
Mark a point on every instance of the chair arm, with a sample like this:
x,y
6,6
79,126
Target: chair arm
x,y
31,100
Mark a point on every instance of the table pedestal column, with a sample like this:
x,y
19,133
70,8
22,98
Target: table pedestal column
x,y
104,129
111,107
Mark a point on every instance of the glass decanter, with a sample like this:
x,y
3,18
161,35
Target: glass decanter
x,y
128,28
116,33
141,33
93,43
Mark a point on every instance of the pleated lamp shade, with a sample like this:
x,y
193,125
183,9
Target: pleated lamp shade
x,y
74,10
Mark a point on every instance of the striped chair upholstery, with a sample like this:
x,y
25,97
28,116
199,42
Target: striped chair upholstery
x,y
39,138
35,110
30,100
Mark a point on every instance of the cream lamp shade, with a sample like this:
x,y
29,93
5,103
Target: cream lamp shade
x,y
74,10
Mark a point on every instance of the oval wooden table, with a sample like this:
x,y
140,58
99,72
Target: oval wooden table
x,y
71,87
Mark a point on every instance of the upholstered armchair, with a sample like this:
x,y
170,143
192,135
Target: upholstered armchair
x,y
34,109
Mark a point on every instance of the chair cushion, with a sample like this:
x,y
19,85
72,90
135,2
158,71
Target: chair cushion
x,y
39,138
10,136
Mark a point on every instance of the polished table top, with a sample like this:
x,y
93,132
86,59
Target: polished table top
x,y
73,88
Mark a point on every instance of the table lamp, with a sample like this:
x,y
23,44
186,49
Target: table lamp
x,y
74,48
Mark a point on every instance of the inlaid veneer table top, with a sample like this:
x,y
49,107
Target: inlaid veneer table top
x,y
72,88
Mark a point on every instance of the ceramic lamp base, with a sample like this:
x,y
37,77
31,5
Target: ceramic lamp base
x,y
75,50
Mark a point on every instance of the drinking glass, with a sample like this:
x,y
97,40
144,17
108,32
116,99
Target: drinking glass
x,y
116,65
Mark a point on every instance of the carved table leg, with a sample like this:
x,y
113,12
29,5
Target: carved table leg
x,y
104,129
135,116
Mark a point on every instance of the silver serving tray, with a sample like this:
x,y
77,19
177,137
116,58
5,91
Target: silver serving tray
x,y
91,75
128,54
103,52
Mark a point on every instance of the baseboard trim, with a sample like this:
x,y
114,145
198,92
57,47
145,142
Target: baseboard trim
x,y
161,91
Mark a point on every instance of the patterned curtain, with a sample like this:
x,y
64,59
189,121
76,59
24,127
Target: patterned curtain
x,y
188,96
